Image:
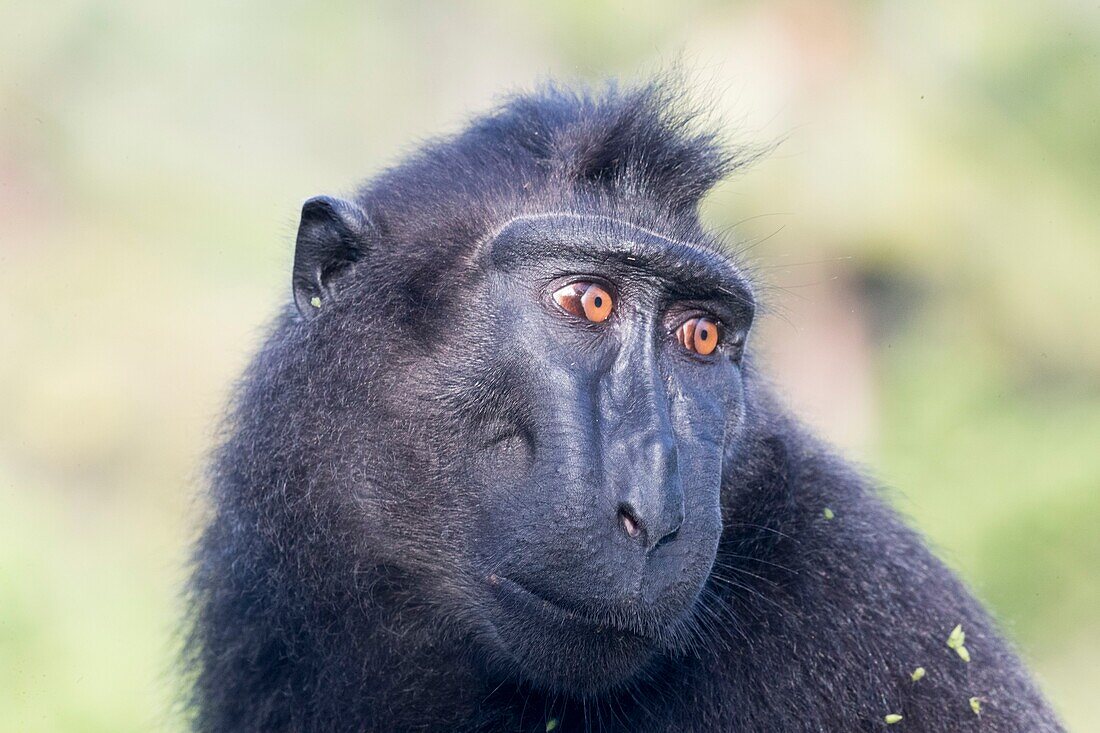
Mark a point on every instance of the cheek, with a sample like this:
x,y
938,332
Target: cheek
x,y
507,457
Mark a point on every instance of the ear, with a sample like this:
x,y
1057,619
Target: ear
x,y
332,234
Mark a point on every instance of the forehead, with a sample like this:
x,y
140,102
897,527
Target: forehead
x,y
602,241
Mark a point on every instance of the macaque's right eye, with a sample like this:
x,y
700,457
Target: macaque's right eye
x,y
586,300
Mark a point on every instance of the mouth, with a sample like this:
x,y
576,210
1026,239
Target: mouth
x,y
518,597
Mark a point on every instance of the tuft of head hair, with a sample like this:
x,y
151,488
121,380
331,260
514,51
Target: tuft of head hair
x,y
643,146
645,142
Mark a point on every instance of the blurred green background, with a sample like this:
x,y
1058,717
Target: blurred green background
x,y
928,234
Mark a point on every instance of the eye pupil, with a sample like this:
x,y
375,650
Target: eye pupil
x,y
598,301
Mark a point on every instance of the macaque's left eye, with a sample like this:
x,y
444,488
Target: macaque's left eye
x,y
699,335
585,300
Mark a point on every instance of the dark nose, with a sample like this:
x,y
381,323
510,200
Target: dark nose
x,y
640,464
651,508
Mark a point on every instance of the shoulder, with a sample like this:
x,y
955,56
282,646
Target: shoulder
x,y
834,601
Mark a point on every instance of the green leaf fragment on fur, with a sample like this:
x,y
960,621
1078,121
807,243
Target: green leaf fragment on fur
x,y
976,705
918,674
828,513
315,302
963,653
957,637
892,718
551,724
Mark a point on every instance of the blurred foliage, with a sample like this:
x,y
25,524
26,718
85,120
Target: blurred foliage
x,y
927,237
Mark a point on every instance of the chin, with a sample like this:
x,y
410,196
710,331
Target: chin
x,y
565,651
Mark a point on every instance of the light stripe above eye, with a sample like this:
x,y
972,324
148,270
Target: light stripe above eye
x,y
693,270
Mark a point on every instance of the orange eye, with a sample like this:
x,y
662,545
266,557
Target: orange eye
x,y
699,335
585,300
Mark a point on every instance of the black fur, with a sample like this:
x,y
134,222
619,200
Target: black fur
x,y
331,588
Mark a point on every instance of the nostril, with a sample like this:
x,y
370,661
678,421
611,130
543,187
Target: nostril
x,y
629,520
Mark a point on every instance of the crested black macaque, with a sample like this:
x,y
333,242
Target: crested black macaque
x,y
507,464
